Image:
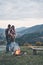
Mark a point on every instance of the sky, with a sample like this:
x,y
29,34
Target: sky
x,y
21,23
21,12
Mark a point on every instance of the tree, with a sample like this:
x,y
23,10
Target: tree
x,y
38,43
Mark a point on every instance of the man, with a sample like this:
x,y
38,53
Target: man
x,y
8,38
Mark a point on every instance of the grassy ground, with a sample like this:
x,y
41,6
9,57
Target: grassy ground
x,y
27,59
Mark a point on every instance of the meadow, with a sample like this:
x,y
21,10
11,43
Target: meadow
x,y
25,59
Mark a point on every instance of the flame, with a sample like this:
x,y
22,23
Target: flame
x,y
17,52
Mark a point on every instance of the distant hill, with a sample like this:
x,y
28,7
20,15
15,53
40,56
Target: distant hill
x,y
2,30
31,35
30,38
33,29
20,29
2,33
37,28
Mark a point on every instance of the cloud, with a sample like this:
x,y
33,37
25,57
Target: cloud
x,y
18,9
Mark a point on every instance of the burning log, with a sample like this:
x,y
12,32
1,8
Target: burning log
x,y
17,52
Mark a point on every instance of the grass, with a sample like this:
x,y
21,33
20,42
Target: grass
x,y
26,59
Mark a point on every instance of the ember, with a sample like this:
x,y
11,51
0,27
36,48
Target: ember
x,y
17,52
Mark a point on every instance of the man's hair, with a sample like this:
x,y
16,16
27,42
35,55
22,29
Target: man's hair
x,y
9,25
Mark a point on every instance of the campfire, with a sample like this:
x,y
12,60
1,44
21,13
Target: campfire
x,y
17,52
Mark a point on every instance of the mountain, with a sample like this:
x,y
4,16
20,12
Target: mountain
x,y
2,30
2,33
37,28
30,38
31,35
20,29
33,29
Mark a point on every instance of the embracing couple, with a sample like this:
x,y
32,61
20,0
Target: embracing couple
x,y
10,37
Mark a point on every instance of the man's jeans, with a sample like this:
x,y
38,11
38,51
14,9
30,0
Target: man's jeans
x,y
7,46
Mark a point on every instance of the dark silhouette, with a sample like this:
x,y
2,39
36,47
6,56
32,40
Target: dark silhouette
x,y
8,38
